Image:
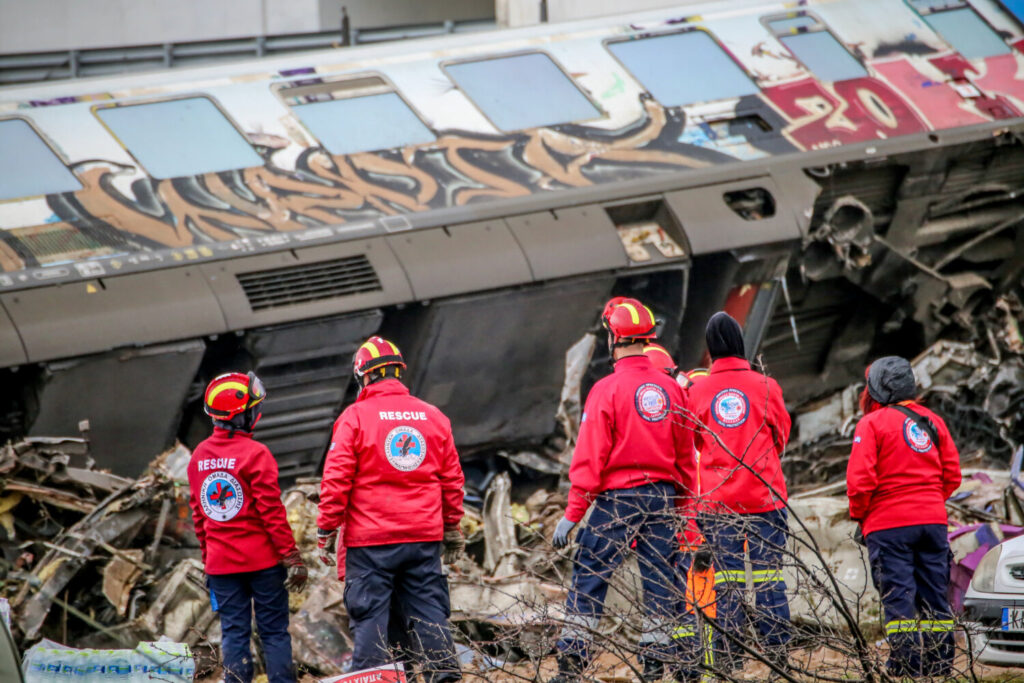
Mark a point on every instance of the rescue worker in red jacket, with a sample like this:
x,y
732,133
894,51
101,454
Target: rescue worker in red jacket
x,y
902,468
248,549
695,573
634,463
393,482
742,429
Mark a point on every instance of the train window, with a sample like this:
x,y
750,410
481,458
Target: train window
x,y
358,115
38,170
177,138
818,50
961,27
522,91
656,62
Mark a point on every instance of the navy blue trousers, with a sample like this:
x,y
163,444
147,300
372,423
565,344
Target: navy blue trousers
x,y
910,567
765,536
645,514
410,574
238,596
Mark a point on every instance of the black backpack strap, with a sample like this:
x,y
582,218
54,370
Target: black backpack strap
x,y
922,421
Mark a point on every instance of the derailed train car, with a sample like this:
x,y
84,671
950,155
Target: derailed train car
x,y
477,197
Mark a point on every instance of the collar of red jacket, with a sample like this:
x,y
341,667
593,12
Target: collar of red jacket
x,y
226,433
385,387
729,363
633,363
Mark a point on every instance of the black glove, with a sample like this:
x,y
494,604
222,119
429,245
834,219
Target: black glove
x,y
297,572
561,537
325,544
452,544
858,536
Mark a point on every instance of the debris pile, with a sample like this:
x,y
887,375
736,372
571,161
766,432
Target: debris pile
x,y
96,559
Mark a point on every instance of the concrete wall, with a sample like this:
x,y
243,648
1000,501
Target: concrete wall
x,y
45,25
513,13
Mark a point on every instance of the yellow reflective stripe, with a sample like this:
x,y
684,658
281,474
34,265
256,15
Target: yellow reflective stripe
x,y
728,575
901,626
633,313
394,348
938,625
709,651
766,575
372,348
237,386
683,632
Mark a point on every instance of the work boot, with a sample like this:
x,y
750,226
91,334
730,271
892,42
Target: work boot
x,y
570,669
653,669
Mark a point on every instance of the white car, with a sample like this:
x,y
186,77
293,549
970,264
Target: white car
x,y
994,605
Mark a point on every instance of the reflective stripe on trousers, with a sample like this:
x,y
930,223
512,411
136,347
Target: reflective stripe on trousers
x,y
923,626
740,576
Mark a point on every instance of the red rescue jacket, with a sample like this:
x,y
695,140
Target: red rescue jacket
x,y
629,436
896,476
743,410
392,473
236,504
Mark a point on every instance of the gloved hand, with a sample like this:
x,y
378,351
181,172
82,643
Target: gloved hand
x,y
452,544
858,536
297,572
325,543
561,537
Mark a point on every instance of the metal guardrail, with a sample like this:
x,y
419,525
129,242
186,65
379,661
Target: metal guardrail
x,y
48,66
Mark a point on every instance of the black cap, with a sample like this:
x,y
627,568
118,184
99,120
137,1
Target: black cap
x,y
891,380
724,336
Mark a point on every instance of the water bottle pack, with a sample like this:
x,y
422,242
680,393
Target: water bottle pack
x,y
163,660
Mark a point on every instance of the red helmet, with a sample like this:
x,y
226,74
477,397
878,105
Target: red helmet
x,y
661,359
232,394
375,353
628,320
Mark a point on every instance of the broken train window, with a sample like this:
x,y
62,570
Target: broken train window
x,y
38,171
962,27
814,46
179,137
362,114
656,61
521,91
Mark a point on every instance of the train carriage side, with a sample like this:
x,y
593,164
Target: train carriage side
x,y
477,198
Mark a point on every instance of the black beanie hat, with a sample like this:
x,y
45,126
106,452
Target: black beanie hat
x,y
724,336
891,380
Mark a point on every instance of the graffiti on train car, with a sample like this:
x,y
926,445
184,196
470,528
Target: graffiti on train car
x,y
323,189
910,86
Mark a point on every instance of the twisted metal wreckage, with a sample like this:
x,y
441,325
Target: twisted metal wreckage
x,y
96,559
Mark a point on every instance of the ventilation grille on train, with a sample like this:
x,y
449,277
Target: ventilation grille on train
x,y
309,282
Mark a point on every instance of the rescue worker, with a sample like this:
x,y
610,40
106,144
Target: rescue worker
x,y
902,468
248,550
392,480
695,572
742,430
633,459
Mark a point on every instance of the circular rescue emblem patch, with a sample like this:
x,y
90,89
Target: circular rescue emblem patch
x,y
651,402
916,437
405,448
221,496
730,407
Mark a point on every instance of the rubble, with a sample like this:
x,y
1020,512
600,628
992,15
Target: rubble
x,y
115,558
100,560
